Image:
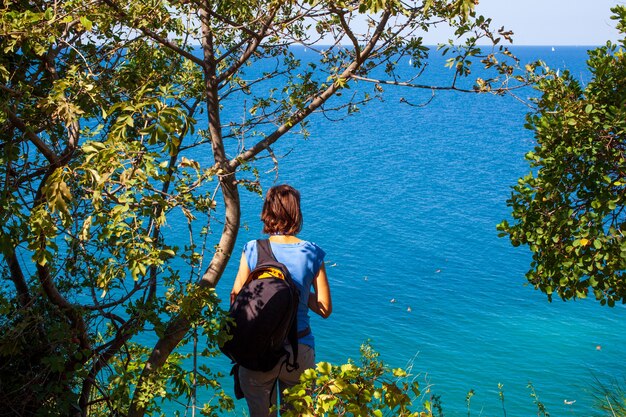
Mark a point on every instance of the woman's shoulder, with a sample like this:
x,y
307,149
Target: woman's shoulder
x,y
314,247
308,245
249,245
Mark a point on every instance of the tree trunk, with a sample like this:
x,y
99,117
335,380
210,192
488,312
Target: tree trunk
x,y
180,325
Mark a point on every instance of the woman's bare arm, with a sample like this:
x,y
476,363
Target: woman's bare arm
x,y
319,300
240,280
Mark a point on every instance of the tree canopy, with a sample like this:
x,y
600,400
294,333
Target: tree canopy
x,y
103,105
569,210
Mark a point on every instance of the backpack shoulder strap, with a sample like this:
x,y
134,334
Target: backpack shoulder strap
x,y
264,251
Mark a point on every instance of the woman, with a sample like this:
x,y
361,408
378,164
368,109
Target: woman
x,y
282,220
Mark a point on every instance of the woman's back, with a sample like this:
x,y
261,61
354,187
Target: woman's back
x,y
304,260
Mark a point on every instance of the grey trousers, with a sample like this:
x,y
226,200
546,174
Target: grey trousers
x,y
260,388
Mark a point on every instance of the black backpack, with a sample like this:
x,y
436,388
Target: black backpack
x,y
264,316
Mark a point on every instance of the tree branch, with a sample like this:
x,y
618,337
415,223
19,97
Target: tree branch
x,y
408,84
180,325
36,140
65,306
301,114
252,46
348,32
17,276
156,37
501,90
123,334
234,25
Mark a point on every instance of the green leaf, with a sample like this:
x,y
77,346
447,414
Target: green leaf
x,y
87,24
324,368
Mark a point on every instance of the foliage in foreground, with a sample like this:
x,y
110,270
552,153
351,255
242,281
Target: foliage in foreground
x,y
570,210
368,389
610,398
371,388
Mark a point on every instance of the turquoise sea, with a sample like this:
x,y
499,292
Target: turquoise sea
x,y
405,201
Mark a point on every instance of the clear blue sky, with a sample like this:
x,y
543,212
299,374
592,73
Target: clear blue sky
x,y
548,22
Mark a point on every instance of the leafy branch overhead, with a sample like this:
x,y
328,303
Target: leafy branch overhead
x,y
128,129
569,210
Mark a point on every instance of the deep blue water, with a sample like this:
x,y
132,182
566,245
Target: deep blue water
x,y
405,201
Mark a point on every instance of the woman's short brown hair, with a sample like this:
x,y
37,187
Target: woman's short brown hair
x,y
281,211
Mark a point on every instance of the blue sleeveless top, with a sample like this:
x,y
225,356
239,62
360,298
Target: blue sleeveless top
x,y
303,259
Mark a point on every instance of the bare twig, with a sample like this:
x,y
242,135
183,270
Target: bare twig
x,y
301,114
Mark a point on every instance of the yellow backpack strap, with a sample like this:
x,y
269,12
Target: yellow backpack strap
x,y
270,273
